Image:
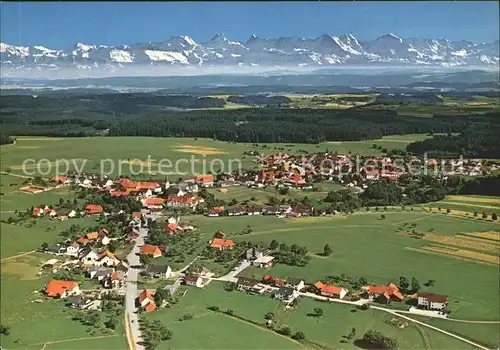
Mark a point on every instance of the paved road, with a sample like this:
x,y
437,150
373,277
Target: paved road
x,y
231,276
131,289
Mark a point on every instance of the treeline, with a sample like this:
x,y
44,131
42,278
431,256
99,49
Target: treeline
x,y
97,105
488,185
285,125
474,142
5,139
259,100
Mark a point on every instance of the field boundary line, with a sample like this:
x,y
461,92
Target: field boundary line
x,y
465,340
260,327
450,256
427,342
73,339
18,255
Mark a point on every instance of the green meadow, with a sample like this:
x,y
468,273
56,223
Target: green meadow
x,y
364,245
129,154
247,329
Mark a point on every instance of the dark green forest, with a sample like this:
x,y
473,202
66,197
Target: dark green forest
x,y
475,142
289,125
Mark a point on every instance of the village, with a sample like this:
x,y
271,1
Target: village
x,y
143,226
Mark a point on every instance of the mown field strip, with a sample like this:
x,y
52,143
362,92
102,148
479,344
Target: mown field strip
x,y
475,199
470,204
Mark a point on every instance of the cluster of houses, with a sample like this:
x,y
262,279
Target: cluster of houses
x,y
281,210
288,290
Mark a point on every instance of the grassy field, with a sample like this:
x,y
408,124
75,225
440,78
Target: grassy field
x,y
326,332
13,199
241,193
129,154
32,323
487,334
18,239
366,246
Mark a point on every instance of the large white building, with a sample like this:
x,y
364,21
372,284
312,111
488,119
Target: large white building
x,y
432,301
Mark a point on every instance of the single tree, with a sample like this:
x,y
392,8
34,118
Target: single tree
x,y
363,281
382,217
274,244
318,312
327,250
403,283
299,336
494,217
269,316
415,285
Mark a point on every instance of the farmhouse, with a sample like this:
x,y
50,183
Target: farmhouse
x,y
263,261
73,249
147,301
153,203
106,258
150,250
221,244
295,283
246,284
88,255
274,281
92,209
159,271
286,294
385,293
216,211
116,280
193,280
205,180
80,302
61,289
59,179
432,301
330,291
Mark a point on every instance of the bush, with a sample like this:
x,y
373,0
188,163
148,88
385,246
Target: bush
x,y
364,307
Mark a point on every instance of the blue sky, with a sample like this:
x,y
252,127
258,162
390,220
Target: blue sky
x,y
62,24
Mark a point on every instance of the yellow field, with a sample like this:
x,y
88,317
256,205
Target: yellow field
x,y
467,254
199,150
488,235
474,199
462,242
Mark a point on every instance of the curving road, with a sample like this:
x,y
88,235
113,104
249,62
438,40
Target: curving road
x,y
132,293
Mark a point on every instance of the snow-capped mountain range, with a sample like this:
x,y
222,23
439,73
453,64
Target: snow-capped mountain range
x,y
325,50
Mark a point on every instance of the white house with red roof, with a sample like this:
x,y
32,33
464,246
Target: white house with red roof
x,y
432,301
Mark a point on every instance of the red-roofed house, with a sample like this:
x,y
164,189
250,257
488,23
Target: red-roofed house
x,y
147,301
327,290
59,179
153,203
150,250
385,293
205,180
93,209
273,280
216,211
432,301
61,289
106,258
221,244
